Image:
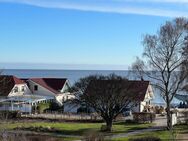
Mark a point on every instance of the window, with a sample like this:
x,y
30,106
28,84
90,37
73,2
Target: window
x,y
23,89
15,89
36,88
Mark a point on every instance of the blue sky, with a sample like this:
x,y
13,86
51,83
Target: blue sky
x,y
79,34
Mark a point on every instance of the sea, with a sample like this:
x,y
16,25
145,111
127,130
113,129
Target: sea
x,y
75,75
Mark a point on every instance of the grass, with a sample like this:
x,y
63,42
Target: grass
x,y
81,129
163,135
78,128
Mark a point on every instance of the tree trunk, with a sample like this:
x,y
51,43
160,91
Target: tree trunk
x,y
109,125
169,118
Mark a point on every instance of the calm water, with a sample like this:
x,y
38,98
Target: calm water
x,y
73,75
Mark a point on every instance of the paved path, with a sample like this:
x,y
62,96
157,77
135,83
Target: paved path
x,y
159,124
131,133
160,121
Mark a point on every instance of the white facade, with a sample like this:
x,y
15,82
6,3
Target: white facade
x,y
60,97
19,89
22,97
24,107
40,89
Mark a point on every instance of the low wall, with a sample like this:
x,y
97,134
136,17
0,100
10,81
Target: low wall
x,y
58,116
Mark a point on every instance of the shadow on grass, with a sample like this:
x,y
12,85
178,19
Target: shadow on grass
x,y
125,123
79,132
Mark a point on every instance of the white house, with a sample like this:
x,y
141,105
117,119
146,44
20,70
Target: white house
x,y
22,94
144,93
141,91
56,88
11,88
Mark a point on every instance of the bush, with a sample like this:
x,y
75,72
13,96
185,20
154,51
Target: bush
x,y
143,117
55,107
42,107
38,129
130,121
10,114
145,139
159,109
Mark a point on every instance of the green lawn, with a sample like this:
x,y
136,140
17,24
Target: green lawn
x,y
78,128
82,129
163,135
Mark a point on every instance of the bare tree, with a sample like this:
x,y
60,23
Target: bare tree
x,y
164,59
106,95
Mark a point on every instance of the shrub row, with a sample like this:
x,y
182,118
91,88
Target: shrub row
x,y
9,114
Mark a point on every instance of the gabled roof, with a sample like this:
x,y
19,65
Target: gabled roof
x,y
137,88
54,85
7,82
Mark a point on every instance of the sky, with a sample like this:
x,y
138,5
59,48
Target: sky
x,y
79,34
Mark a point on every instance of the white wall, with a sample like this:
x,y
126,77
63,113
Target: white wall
x,y
149,93
65,87
22,107
142,105
64,97
174,119
20,92
41,90
45,92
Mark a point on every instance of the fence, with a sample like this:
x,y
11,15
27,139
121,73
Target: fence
x,y
179,116
182,115
64,116
144,117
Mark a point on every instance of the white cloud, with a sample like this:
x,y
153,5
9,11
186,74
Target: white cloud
x,y
111,6
155,1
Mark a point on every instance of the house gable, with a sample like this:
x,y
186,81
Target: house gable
x,y
37,89
7,83
55,85
65,87
149,93
19,89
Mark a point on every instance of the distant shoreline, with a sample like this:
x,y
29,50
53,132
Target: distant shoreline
x,y
67,69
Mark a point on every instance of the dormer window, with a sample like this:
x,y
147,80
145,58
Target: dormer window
x,y
15,89
23,89
36,88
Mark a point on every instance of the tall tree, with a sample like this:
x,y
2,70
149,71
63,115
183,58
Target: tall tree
x,y
163,60
106,95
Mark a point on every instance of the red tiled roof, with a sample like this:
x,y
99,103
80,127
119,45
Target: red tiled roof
x,y
139,88
136,88
17,80
52,84
7,82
